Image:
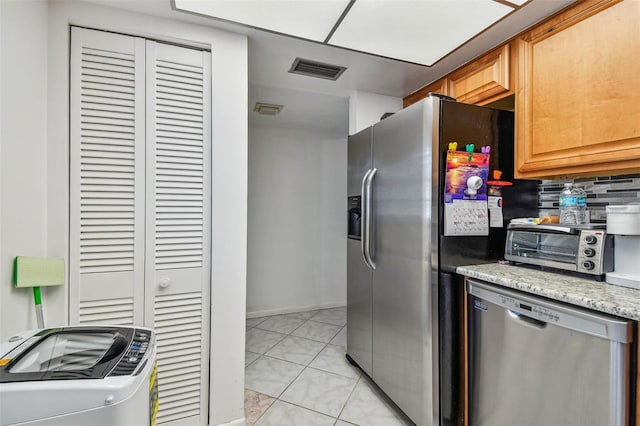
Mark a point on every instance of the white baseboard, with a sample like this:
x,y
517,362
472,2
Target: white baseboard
x,y
237,422
280,311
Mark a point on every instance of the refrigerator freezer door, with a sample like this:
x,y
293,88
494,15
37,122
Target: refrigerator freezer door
x,y
404,343
358,273
358,307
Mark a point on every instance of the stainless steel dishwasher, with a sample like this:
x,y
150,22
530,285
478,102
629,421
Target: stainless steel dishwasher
x,y
534,362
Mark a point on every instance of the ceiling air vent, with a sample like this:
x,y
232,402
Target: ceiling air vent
x,y
316,69
267,109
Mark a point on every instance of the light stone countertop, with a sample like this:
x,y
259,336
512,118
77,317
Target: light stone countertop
x,y
599,296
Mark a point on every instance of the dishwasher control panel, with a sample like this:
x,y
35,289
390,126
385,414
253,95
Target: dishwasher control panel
x,y
538,312
541,312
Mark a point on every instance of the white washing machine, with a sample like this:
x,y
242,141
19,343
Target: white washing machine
x,y
81,375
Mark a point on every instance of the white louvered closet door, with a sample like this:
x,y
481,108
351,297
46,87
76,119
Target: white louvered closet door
x,y
140,203
107,154
178,226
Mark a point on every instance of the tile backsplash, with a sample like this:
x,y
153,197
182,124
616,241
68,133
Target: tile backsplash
x,y
601,192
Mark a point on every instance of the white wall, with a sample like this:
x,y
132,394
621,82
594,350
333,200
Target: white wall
x,y
24,158
34,169
365,109
297,220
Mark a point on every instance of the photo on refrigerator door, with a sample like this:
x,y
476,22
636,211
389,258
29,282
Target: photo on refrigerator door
x,y
463,169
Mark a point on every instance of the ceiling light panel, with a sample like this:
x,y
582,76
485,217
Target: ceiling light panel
x,y
310,19
419,31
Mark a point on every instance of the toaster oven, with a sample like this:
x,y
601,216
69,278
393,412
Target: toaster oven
x,y
585,249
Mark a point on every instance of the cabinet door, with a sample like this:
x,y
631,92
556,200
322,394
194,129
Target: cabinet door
x,y
484,80
578,103
178,226
106,178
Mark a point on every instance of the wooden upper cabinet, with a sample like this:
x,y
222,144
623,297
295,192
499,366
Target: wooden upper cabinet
x,y
484,80
480,82
578,97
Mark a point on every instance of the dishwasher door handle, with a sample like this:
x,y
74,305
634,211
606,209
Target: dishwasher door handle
x,y
529,321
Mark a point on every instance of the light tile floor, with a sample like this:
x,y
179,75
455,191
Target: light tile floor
x,y
296,374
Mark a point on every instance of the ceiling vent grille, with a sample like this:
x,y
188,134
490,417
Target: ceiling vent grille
x,y
267,109
316,69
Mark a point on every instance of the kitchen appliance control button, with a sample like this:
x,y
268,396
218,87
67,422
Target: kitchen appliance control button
x,y
590,239
588,265
589,252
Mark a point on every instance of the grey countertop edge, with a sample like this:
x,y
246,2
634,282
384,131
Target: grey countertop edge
x,y
599,296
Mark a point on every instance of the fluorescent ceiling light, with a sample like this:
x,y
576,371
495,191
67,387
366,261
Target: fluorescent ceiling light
x,y
418,31
310,19
413,30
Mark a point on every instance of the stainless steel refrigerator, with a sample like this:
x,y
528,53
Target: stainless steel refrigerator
x,y
404,301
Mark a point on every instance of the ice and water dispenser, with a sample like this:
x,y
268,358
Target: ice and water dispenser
x,y
353,226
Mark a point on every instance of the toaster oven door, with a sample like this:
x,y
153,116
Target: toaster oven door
x,y
544,249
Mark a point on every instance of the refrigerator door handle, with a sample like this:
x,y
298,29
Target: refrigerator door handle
x,y
367,224
364,217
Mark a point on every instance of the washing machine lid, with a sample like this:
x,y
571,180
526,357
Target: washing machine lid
x,y
69,353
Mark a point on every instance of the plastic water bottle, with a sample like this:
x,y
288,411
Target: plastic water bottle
x,y
568,203
583,215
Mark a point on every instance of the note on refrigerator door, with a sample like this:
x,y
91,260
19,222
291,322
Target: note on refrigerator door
x,y
495,212
466,217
